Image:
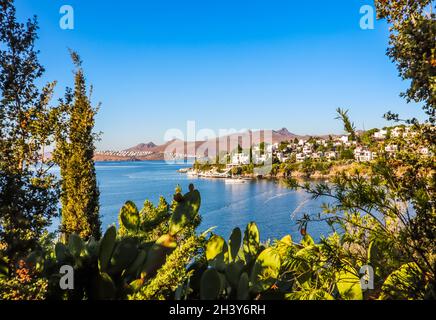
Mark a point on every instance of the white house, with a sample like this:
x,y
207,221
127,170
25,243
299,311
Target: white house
x,y
307,149
270,148
363,155
281,157
391,148
381,134
317,155
258,159
397,132
240,158
331,155
344,139
300,157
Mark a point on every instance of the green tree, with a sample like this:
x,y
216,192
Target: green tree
x,y
412,47
28,193
346,154
74,155
239,148
391,215
262,148
348,125
367,138
283,146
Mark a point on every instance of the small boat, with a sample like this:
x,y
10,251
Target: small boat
x,y
235,181
192,173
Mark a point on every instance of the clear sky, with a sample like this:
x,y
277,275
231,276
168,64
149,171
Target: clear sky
x,y
156,64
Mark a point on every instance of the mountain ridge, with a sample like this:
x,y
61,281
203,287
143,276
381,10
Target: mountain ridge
x,y
246,139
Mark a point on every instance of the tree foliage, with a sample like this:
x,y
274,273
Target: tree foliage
x,y
413,47
348,125
74,154
28,194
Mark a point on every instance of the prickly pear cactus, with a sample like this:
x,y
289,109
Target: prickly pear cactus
x,y
265,270
235,243
211,285
185,211
129,219
251,242
106,249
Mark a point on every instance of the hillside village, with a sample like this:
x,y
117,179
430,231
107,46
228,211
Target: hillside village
x,y
316,149
288,149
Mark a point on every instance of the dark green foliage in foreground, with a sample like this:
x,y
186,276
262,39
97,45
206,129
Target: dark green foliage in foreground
x,y
120,265
28,194
386,219
182,265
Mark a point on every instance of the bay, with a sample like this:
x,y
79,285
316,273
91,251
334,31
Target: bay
x,y
272,206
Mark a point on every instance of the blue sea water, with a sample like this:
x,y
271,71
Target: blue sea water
x,y
272,206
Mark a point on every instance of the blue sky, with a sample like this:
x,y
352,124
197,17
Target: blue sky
x,y
156,64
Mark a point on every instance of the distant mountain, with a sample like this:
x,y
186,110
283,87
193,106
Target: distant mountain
x,y
143,147
285,132
210,147
223,144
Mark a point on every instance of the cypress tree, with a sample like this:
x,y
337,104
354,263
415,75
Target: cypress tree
x,y
74,154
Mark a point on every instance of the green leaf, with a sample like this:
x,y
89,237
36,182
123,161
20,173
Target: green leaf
x,y
217,252
243,292
157,254
75,245
124,254
402,284
348,284
129,216
185,211
106,249
62,253
136,266
251,240
307,241
265,270
233,272
214,247
235,243
210,287
4,269
104,287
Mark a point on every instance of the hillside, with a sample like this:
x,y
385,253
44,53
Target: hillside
x,y
208,147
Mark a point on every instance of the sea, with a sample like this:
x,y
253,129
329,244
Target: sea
x,y
275,208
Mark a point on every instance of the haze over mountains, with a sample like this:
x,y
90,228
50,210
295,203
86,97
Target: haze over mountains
x,y
245,139
143,147
209,148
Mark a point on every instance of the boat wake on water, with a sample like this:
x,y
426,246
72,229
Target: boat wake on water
x,y
277,196
298,208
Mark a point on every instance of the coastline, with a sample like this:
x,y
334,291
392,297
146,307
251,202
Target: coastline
x,y
295,175
298,175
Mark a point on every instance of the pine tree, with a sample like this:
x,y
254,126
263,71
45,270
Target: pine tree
x,y
74,154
